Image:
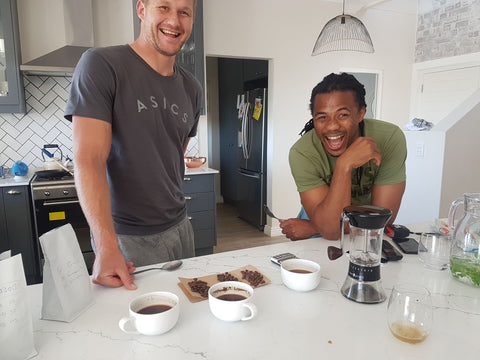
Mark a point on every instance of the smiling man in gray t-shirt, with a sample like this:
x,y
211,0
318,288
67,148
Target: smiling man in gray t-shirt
x,y
133,112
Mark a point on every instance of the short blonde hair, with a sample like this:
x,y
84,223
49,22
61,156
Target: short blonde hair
x,y
145,2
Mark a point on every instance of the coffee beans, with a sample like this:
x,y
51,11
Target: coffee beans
x,y
226,277
254,278
200,287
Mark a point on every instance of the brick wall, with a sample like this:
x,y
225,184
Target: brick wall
x,y
447,28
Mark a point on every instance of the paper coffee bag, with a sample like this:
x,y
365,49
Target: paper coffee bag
x,y
16,328
66,284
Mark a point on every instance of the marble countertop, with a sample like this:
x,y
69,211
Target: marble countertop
x,y
200,170
321,324
11,180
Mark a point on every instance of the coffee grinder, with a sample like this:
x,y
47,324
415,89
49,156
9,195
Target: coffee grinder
x,y
363,283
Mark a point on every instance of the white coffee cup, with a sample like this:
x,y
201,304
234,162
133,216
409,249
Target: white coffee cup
x,y
230,301
300,274
145,317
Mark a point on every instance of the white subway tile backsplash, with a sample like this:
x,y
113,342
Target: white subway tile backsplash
x,y
48,98
47,85
34,91
10,130
11,142
25,136
38,129
36,117
36,81
61,92
49,110
22,136
36,105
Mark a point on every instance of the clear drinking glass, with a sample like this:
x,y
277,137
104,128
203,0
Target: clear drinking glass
x,y
434,251
410,313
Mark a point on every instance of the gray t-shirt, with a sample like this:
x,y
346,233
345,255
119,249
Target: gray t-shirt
x,y
152,116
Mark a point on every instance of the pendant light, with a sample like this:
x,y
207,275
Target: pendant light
x,y
343,33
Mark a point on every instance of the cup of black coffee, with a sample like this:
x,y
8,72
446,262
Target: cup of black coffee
x,y
151,314
300,274
230,301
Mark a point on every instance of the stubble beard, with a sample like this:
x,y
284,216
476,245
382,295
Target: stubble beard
x,y
154,41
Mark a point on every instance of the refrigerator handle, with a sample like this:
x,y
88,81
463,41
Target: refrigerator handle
x,y
252,175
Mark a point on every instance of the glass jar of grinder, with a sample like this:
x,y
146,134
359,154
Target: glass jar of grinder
x,y
363,283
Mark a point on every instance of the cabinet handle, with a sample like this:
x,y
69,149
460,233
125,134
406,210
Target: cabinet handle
x,y
56,202
188,197
13,192
187,179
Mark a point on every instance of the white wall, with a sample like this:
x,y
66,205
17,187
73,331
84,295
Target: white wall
x,y
461,172
439,162
285,32
421,199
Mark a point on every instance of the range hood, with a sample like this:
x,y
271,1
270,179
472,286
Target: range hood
x,y
73,32
58,62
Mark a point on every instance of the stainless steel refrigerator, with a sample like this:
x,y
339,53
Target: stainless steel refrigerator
x,y
252,140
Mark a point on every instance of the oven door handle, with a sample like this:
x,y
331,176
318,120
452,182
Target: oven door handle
x,y
60,202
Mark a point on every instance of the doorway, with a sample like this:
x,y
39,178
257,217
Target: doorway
x,y
226,80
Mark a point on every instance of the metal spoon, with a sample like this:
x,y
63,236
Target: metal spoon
x,y
169,266
269,213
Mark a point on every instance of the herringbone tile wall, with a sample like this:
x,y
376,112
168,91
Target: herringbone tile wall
x,y
23,135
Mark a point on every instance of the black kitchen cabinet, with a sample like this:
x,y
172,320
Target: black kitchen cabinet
x,y
17,228
199,190
12,94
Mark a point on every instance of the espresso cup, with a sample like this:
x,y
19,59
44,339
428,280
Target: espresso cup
x,y
230,301
153,313
300,274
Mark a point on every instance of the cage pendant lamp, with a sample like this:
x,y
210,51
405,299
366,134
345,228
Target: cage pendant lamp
x,y
343,33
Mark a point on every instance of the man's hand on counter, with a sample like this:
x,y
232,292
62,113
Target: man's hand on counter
x,y
112,270
297,229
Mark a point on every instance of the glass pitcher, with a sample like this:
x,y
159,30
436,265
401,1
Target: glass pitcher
x,y
465,255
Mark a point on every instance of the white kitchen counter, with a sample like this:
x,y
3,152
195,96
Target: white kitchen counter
x,y
11,180
321,324
200,170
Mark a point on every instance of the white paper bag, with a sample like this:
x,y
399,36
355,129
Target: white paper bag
x,y
66,284
16,328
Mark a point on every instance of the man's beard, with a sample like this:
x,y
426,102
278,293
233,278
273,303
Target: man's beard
x,y
156,45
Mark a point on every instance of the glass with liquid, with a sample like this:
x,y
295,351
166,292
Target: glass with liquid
x,y
410,313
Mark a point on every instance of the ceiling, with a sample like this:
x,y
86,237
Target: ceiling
x,y
359,7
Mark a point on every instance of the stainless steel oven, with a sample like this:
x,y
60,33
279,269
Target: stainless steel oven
x,y
55,204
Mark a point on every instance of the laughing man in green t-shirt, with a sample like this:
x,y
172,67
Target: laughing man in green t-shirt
x,y
346,160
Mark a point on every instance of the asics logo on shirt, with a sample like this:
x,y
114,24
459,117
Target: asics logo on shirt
x,y
154,104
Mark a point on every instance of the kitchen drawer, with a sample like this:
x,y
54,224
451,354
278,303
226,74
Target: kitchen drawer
x,y
198,183
205,238
200,201
202,219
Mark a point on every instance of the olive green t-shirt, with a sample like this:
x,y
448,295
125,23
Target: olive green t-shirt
x,y
312,166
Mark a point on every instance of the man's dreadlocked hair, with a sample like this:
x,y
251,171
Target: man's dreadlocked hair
x,y
336,82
